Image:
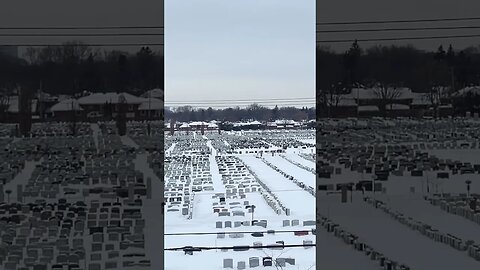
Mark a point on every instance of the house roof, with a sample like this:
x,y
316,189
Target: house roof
x,y
475,90
198,123
153,104
154,93
66,105
370,93
420,99
111,97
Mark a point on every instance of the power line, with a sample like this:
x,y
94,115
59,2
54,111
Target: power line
x,y
398,29
187,248
241,105
261,99
215,233
83,44
81,28
81,35
397,38
400,21
243,102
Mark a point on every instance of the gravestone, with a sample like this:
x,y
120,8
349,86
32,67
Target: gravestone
x,y
309,223
253,262
280,262
290,261
228,263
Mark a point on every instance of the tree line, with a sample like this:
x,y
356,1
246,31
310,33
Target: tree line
x,y
236,114
386,69
74,67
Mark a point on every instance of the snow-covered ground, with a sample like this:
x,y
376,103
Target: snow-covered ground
x,y
227,174
403,149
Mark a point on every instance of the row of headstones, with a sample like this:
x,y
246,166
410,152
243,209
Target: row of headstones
x,y
310,157
351,239
269,197
255,262
299,165
457,208
67,254
296,222
236,224
300,184
428,231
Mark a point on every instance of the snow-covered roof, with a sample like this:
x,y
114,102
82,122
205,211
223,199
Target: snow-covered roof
x,y
474,90
198,123
154,93
152,104
420,99
285,122
66,105
346,101
371,93
254,123
102,98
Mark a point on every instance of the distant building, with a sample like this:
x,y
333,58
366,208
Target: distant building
x,y
151,108
67,110
154,93
364,102
100,106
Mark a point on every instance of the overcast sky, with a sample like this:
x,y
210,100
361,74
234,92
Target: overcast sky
x,y
61,13
354,10
239,49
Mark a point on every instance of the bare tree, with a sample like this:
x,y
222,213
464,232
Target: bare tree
x,y
434,96
386,96
334,95
4,103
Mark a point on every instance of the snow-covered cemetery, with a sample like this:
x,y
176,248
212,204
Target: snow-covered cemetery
x,y
232,199
398,194
80,202
240,199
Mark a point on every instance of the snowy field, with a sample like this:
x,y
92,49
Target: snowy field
x,y
422,215
211,183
